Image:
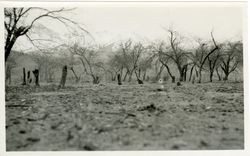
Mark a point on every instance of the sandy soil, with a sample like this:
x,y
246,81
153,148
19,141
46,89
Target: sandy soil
x,y
129,117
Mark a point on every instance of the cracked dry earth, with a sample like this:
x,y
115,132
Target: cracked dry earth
x,y
128,117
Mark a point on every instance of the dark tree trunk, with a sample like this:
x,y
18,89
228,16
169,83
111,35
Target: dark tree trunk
x,y
64,77
226,72
180,69
96,79
211,76
199,81
139,81
184,73
138,78
8,46
173,79
36,74
119,79
139,73
29,78
226,77
24,77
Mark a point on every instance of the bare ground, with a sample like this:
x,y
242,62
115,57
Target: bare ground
x,y
129,117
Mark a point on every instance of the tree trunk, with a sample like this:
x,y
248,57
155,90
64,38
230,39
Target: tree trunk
x,y
36,74
199,76
29,80
180,69
139,74
96,79
226,77
173,79
63,78
138,78
24,77
8,46
125,76
119,79
76,77
193,79
170,74
191,73
185,73
218,74
211,76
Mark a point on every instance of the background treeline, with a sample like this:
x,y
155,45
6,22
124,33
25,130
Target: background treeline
x,y
169,59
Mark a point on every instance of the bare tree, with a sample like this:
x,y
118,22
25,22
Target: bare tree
x,y
144,65
114,66
129,56
125,50
201,55
16,26
213,63
89,59
177,54
72,62
164,58
135,57
232,55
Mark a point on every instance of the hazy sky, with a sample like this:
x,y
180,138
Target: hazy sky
x,y
111,23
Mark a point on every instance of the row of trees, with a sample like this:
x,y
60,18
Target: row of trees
x,y
135,59
130,59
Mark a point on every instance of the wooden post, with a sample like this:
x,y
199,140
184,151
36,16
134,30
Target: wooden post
x,y
173,79
36,74
29,78
24,77
119,79
64,76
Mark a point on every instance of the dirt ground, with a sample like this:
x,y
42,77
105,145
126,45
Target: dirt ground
x,y
128,117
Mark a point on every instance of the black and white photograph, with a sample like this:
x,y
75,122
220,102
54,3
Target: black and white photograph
x,y
124,76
